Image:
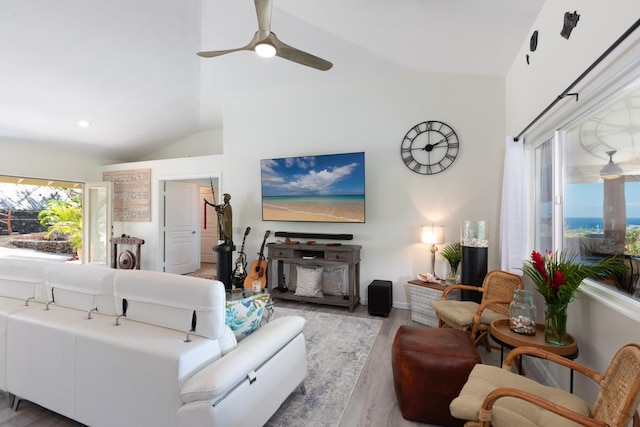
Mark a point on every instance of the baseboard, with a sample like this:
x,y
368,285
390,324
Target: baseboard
x,y
401,305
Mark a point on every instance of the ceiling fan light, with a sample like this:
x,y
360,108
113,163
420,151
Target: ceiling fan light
x,y
265,50
610,170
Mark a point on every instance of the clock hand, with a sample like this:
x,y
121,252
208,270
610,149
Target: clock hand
x,y
429,147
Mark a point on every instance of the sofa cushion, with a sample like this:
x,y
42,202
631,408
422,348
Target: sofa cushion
x,y
173,301
82,286
132,374
217,379
227,341
23,279
244,316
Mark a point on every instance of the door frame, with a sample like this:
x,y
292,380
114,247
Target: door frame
x,y
160,182
89,228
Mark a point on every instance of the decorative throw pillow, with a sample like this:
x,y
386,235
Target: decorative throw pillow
x,y
244,316
309,281
333,280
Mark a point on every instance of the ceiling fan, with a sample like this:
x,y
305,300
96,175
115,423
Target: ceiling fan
x,y
266,44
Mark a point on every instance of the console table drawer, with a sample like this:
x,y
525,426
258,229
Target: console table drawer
x,y
338,256
281,252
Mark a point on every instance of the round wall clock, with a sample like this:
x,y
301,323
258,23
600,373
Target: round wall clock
x,y
429,147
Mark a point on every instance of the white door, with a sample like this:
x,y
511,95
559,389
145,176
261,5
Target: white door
x,y
208,225
181,227
96,222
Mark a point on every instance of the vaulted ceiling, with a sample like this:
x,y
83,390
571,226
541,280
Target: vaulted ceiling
x,y
129,67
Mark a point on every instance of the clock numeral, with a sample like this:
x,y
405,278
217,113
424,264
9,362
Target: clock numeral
x,y
454,145
407,160
410,136
405,149
450,134
416,167
450,157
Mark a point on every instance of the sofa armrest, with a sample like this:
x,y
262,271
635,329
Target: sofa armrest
x,y
214,381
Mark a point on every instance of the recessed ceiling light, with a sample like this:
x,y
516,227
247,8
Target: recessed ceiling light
x,y
83,124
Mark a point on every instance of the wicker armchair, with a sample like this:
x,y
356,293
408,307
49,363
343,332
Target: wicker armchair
x,y
527,402
497,292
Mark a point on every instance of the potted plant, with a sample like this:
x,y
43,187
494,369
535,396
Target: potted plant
x,y
557,277
453,254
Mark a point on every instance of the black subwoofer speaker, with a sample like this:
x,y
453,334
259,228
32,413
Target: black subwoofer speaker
x,y
380,297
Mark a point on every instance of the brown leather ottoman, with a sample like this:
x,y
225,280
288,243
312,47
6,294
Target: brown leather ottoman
x,y
430,366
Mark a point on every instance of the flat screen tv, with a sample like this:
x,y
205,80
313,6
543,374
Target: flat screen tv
x,y
326,188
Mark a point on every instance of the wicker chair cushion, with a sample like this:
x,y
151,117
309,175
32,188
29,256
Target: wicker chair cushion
x,y
508,411
461,312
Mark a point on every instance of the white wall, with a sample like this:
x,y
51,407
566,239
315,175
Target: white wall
x,y
373,116
35,160
599,328
201,144
174,169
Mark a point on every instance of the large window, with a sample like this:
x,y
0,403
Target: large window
x,y
598,196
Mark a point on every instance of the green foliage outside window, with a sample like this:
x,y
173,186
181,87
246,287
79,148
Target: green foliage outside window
x,y
63,220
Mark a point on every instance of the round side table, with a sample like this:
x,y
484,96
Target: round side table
x,y
503,335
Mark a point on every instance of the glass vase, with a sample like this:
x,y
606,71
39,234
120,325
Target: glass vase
x,y
555,324
453,277
523,313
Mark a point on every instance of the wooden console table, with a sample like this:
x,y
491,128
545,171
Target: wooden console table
x,y
310,255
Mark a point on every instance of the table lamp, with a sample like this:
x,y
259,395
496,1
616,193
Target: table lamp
x,y
433,235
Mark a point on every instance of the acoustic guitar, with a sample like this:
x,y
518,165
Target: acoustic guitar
x,y
240,271
256,275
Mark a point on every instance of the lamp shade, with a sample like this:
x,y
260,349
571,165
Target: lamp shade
x,y
432,234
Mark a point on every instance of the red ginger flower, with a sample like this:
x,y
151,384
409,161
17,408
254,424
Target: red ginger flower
x,y
538,263
558,280
557,276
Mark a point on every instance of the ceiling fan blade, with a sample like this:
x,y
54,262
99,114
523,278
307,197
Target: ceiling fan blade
x,y
285,51
214,53
263,11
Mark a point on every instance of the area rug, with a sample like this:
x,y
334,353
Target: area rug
x,y
337,349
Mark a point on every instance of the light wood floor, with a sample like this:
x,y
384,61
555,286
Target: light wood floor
x,y
372,404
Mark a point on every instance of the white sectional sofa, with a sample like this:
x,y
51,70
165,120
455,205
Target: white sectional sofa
x,y
137,348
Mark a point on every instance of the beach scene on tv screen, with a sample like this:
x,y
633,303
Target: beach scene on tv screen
x,y
326,188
